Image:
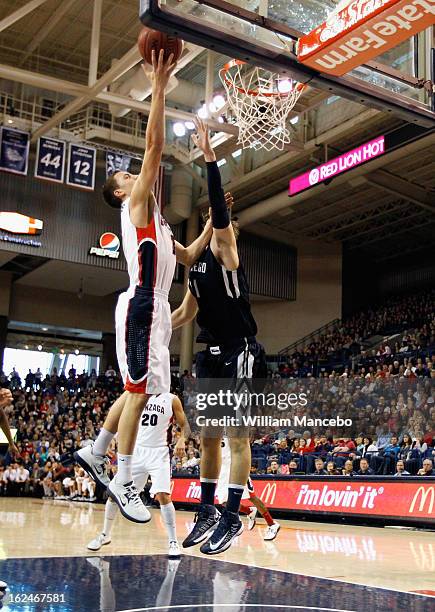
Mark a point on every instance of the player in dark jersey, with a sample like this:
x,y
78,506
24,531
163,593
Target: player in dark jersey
x,y
218,295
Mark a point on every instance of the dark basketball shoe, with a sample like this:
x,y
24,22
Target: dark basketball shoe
x,y
206,520
230,526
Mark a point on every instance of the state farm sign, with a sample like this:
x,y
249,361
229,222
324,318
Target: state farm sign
x,y
362,31
403,498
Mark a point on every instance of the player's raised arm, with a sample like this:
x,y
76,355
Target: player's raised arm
x,y
186,312
188,255
223,242
141,200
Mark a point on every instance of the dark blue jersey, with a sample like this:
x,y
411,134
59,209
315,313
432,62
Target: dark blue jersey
x,y
224,314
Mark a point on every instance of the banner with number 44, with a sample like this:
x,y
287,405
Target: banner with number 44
x,y
50,159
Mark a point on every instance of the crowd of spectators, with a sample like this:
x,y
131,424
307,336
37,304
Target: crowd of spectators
x,y
393,420
54,416
406,323
391,402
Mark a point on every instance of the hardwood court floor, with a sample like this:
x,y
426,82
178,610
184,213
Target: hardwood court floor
x,y
398,560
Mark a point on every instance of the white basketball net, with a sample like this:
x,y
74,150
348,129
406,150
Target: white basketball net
x,y
261,102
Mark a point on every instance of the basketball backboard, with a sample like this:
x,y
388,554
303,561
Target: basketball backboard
x,y
264,33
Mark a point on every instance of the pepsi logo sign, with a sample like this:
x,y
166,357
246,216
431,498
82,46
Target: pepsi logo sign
x,y
109,242
109,246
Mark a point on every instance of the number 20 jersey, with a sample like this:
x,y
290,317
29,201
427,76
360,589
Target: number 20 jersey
x,y
156,420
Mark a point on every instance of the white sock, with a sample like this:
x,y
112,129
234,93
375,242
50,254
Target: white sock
x,y
168,517
123,474
102,442
110,512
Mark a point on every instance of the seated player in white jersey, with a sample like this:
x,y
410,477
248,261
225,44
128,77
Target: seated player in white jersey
x,y
143,317
255,504
151,458
219,294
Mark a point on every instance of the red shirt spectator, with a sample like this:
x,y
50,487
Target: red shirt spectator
x,y
343,448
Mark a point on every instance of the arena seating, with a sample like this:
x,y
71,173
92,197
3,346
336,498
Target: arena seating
x,y
390,395
405,323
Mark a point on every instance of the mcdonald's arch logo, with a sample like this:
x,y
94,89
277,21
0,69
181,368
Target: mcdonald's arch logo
x,y
423,494
269,493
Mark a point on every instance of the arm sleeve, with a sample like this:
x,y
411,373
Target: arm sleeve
x,y
219,213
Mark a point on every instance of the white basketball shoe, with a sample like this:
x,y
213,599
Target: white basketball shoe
x,y
128,500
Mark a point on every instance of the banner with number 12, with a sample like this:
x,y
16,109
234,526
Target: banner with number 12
x,y
81,166
50,159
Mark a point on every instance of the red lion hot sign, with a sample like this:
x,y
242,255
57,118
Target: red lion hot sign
x,y
361,31
403,498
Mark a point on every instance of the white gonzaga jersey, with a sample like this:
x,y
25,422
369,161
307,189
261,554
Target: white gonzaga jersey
x,y
149,251
156,421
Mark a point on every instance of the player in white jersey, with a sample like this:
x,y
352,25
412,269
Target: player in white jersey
x,y
151,458
143,317
255,504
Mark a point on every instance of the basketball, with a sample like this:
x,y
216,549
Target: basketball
x,y
153,40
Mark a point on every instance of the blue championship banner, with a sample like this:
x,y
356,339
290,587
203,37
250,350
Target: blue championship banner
x,y
50,159
117,161
81,166
14,150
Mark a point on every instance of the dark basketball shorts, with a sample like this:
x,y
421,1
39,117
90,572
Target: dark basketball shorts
x,y
243,359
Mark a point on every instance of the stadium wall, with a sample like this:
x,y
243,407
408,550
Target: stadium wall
x,y
73,219
59,308
367,282
5,292
318,297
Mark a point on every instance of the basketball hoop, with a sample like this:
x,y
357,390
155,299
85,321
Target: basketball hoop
x,y
261,102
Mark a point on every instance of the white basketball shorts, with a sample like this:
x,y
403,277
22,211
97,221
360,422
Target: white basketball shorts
x,y
153,462
143,333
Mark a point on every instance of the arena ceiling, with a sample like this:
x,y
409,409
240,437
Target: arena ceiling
x,y
83,54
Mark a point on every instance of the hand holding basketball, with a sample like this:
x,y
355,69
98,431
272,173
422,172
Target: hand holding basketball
x,y
162,69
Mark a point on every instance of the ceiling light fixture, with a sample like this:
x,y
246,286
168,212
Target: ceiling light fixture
x,y
219,101
202,112
285,86
179,129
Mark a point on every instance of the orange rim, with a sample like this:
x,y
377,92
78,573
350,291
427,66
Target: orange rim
x,y
252,92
